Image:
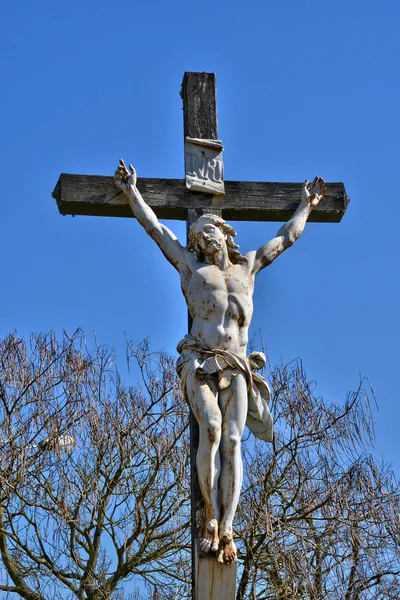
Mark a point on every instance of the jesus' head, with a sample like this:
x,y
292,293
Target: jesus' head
x,y
205,238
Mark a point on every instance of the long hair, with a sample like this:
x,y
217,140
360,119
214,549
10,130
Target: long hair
x,y
234,255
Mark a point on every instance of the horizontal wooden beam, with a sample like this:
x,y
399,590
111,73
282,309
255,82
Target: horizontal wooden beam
x,y
243,201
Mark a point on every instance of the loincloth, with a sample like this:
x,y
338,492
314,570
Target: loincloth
x,y
209,362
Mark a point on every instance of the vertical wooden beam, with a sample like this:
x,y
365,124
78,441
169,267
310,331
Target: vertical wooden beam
x,y
213,581
199,97
199,121
199,106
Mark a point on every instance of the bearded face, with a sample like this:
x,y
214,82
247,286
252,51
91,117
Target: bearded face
x,y
209,238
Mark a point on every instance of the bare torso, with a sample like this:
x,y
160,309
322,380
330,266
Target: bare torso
x,y
220,304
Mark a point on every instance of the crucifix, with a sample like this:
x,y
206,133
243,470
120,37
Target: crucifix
x,y
220,382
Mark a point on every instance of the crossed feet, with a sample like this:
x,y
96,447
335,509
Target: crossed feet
x,y
224,546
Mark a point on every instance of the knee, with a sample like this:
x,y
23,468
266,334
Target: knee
x,y
232,442
214,431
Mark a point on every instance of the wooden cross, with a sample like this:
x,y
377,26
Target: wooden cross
x,y
245,201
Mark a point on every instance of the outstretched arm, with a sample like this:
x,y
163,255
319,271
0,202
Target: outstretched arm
x,y
311,194
164,238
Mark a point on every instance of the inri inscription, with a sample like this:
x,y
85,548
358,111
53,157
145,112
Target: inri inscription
x,y
204,168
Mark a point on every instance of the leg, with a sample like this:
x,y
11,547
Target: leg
x,y
202,396
233,404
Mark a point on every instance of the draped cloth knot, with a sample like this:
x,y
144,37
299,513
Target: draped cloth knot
x,y
222,364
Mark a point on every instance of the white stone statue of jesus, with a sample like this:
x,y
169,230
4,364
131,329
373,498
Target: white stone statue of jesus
x,y
218,378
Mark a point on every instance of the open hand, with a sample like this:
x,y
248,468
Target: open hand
x,y
314,191
123,178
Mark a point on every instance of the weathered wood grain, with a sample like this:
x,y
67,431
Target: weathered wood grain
x,y
199,95
244,201
213,580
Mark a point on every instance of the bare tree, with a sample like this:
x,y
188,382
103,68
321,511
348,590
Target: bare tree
x,y
94,484
319,518
93,475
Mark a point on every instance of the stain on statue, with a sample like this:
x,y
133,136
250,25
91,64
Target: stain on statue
x,y
219,380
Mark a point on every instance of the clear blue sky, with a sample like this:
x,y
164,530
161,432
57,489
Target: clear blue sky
x,y
304,89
